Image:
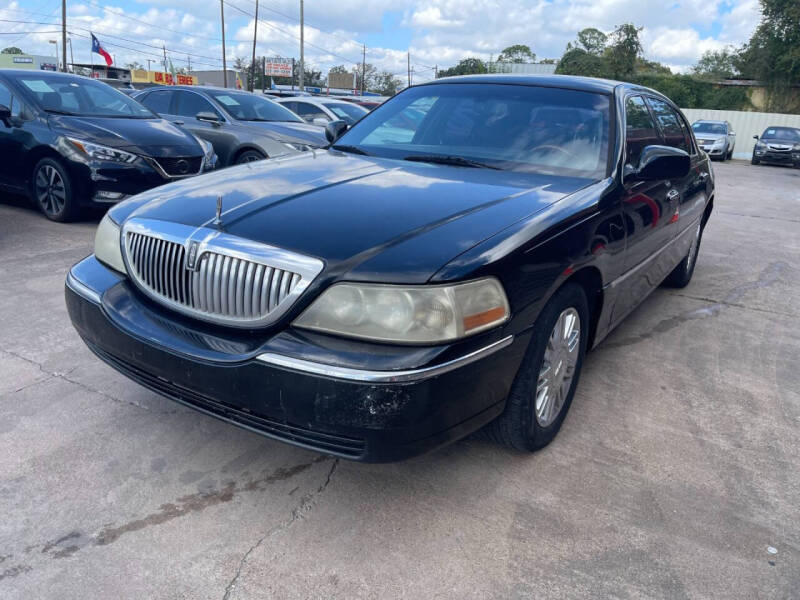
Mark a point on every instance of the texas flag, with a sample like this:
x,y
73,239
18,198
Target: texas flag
x,y
98,49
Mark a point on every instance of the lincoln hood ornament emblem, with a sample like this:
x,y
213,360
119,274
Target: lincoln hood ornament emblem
x,y
218,217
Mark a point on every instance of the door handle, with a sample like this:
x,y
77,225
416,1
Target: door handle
x,y
673,195
178,122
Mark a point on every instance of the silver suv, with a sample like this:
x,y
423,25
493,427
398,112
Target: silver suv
x,y
716,138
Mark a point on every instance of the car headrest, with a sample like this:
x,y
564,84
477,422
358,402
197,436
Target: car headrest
x,y
51,101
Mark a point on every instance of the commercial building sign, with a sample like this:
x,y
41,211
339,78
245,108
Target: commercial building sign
x,y
278,67
159,77
28,60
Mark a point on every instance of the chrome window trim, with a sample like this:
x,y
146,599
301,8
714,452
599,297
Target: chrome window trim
x,y
367,376
213,240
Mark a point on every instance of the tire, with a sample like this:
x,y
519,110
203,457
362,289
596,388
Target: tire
x,y
52,191
730,154
520,425
249,156
754,160
682,274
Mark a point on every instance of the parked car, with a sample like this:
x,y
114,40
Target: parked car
x,y
69,141
323,110
716,138
378,300
243,127
368,102
777,145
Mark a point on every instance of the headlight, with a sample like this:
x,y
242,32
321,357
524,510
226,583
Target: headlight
x,y
719,142
408,315
208,152
106,245
98,152
796,147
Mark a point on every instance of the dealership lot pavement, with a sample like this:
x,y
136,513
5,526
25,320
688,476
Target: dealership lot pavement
x,y
676,474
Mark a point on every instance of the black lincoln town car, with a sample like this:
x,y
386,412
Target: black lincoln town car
x,y
443,266
70,142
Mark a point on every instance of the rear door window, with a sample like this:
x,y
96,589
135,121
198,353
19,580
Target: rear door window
x,y
159,101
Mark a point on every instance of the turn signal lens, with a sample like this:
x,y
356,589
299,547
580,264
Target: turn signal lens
x,y
408,314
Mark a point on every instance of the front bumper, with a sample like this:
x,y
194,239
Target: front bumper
x,y
714,150
778,158
291,386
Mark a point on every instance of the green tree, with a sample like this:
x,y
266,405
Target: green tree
x,y
11,50
592,41
622,52
716,64
518,53
577,61
338,70
467,66
385,84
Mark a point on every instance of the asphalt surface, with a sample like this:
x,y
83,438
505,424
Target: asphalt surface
x,y
676,474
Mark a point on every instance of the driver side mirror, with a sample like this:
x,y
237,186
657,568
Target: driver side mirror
x,y
334,130
755,137
208,117
660,162
321,121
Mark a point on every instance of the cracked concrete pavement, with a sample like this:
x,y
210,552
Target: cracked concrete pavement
x,y
676,469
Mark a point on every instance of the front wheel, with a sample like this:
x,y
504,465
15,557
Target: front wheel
x,y
545,384
52,191
249,156
754,160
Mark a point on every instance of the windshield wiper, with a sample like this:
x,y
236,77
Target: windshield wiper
x,y
53,111
351,149
442,159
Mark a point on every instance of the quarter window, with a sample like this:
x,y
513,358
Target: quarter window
x,y
309,112
640,130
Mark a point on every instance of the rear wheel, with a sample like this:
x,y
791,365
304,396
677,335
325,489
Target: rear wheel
x,y
545,384
52,191
682,274
249,156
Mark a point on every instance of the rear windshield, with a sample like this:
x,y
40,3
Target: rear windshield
x,y
510,127
80,96
789,134
719,128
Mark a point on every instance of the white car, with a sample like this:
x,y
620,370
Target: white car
x,y
323,110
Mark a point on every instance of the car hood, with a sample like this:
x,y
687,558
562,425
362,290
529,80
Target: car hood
x,y
298,133
781,142
368,219
153,137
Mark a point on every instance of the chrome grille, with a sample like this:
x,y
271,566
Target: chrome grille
x,y
225,286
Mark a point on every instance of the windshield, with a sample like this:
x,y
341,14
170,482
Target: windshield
x,y
709,128
511,127
782,133
73,95
249,107
349,113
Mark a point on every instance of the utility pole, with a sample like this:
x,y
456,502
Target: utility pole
x,y
436,71
164,48
71,55
263,74
253,62
363,69
189,62
149,60
409,69
64,33
224,64
302,62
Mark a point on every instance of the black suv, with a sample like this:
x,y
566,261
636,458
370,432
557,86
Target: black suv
x,y
69,141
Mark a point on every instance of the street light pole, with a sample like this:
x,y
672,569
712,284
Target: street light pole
x,y
64,33
55,42
224,64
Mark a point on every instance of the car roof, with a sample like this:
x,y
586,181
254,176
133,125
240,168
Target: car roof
x,y
43,74
573,82
711,121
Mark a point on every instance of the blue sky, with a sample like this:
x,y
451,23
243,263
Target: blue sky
x,y
435,32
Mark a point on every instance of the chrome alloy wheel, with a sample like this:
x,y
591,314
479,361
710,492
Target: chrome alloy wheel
x,y
50,190
558,366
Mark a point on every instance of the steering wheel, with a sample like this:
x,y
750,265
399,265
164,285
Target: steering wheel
x,y
552,147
